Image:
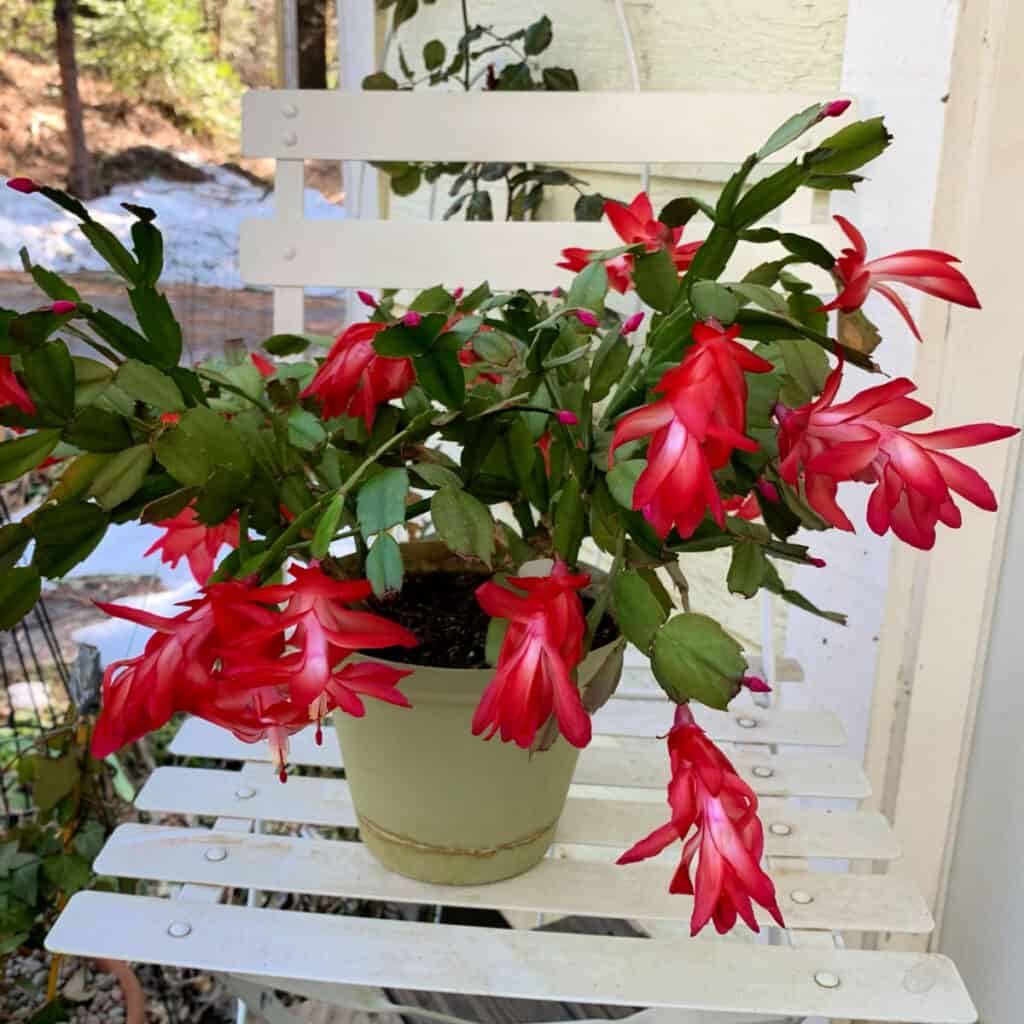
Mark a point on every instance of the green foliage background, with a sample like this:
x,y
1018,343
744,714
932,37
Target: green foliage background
x,y
193,56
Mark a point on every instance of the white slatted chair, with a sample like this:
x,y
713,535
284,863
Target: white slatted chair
x,y
618,793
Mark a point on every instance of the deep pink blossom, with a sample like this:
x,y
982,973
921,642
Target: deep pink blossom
x,y
567,417
355,380
633,323
62,306
822,444
412,319
927,270
707,796
586,318
542,646
834,108
367,299
23,185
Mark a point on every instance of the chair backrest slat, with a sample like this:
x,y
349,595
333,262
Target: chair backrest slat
x,y
418,254
539,127
290,252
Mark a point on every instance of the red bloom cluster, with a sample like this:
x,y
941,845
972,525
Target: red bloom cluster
x,y
634,224
824,444
694,429
353,379
11,390
186,537
927,270
707,795
226,658
542,646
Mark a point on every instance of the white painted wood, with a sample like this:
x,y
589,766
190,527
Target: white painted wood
x,y
357,59
578,968
289,199
812,832
744,725
544,127
330,868
608,761
418,254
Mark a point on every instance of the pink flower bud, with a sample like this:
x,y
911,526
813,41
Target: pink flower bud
x,y
834,108
25,185
458,293
570,419
632,323
556,293
586,318
755,684
170,417
412,319
818,563
62,306
768,490
367,299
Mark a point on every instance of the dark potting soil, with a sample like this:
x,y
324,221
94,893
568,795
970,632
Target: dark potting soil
x,y
440,609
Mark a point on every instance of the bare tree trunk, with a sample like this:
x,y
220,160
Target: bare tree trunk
x,y
312,44
81,177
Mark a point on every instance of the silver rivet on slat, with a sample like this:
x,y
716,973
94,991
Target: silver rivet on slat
x,y
215,854
289,110
179,929
826,979
289,253
778,828
746,723
290,139
763,772
245,792
801,897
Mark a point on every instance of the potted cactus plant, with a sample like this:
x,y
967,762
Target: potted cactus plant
x,y
445,526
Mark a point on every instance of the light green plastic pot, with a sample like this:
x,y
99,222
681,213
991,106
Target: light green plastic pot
x,y
436,803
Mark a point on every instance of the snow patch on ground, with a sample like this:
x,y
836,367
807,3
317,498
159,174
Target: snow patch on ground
x,y
200,223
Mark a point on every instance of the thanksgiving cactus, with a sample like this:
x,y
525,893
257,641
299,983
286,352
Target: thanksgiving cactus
x,y
515,426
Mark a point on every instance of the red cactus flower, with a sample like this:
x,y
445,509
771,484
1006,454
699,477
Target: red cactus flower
x,y
635,224
24,185
542,646
354,380
265,366
927,270
694,429
327,632
708,796
468,357
826,444
177,669
11,391
186,537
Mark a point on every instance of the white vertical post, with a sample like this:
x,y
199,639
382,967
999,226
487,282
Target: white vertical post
x,y
357,58
906,81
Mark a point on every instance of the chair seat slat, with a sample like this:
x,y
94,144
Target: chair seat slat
x,y
808,832
861,902
626,762
566,967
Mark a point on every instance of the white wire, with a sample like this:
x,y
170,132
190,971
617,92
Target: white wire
x,y
634,73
